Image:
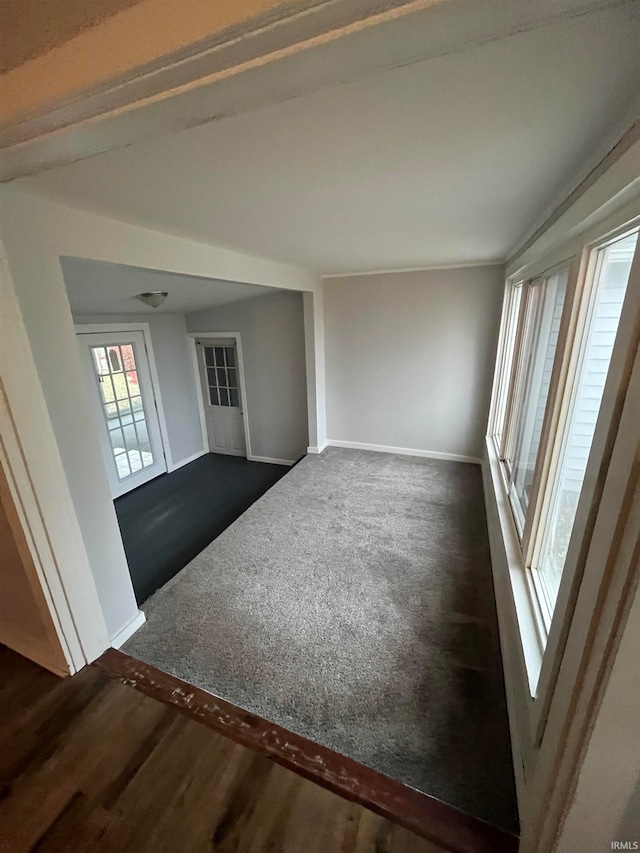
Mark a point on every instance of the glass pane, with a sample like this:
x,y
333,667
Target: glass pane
x,y
124,408
231,356
208,356
612,275
222,379
234,398
143,433
135,460
219,351
120,385
211,375
213,396
545,300
111,411
115,361
128,360
231,377
136,404
132,382
117,439
100,359
224,397
106,389
130,435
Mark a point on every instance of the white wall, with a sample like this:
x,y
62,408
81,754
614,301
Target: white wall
x,y
410,356
273,346
175,377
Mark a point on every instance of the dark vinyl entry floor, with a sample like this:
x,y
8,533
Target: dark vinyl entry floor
x,y
167,522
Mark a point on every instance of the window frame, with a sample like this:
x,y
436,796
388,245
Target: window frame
x,y
581,255
517,384
585,299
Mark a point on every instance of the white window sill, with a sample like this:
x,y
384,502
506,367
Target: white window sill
x,y
528,614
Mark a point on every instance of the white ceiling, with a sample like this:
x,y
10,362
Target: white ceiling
x,y
444,161
95,287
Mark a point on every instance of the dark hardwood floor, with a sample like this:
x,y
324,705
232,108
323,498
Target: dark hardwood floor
x,y
88,764
168,521
441,823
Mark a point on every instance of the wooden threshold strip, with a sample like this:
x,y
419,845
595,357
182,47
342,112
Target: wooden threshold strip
x,y
425,815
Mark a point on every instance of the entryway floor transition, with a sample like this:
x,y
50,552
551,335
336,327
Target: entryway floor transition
x,y
168,521
353,604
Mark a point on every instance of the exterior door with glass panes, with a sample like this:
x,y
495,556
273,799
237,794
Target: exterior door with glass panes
x,y
120,388
220,380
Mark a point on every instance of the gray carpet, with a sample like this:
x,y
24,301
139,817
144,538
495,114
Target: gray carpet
x,y
353,604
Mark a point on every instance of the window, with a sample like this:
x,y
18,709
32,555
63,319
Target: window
x,y
540,324
222,376
505,356
556,348
123,408
612,268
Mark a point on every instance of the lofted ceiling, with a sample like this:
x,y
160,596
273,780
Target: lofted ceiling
x,y
449,160
95,287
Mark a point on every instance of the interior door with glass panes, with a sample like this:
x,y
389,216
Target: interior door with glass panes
x,y
220,380
120,388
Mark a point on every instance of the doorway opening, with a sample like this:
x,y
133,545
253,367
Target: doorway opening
x,y
172,394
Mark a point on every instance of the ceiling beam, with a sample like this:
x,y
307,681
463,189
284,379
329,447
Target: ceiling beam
x,y
62,106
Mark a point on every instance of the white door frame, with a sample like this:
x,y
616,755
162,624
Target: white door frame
x,y
33,469
145,328
235,336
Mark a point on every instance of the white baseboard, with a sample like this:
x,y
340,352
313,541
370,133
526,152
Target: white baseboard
x,y
271,460
129,630
318,449
404,451
192,458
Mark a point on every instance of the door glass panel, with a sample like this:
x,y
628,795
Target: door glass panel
x,y
120,386
123,408
132,382
222,379
612,268
114,359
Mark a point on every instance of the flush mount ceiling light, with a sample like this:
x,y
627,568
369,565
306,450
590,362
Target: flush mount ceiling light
x,y
154,298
